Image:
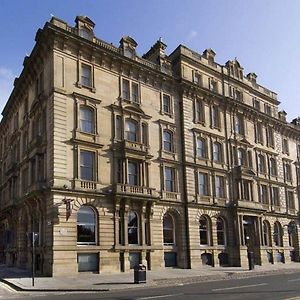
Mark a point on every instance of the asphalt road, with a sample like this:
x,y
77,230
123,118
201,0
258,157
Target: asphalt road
x,y
273,287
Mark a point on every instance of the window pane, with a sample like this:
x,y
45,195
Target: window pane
x,y
132,228
87,165
86,75
168,230
125,89
203,184
86,120
167,104
203,231
169,179
135,92
132,173
131,130
167,141
86,225
201,149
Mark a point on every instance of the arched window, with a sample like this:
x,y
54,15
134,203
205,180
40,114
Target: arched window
x,y
204,231
168,141
87,120
86,226
261,164
133,228
266,234
201,148
168,230
131,130
221,237
241,157
277,234
217,152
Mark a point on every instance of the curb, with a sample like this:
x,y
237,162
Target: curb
x,y
20,289
163,282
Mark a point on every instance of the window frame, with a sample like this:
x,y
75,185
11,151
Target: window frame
x,y
205,230
86,66
206,191
169,111
217,156
92,122
93,168
137,228
94,224
173,183
203,149
220,190
173,230
170,143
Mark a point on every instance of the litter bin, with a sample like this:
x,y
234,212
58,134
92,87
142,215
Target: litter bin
x,y
251,260
140,274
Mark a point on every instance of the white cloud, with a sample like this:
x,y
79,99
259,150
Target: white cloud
x,y
6,85
192,34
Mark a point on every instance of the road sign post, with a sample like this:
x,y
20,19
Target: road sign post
x,y
32,236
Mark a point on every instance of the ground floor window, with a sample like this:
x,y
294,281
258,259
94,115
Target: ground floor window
x,y
88,262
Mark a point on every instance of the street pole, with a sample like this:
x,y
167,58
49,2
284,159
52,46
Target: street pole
x,y
33,257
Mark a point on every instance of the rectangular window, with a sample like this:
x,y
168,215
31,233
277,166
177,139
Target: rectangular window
x,y
33,171
199,111
41,167
145,134
134,92
220,187
285,146
86,75
246,190
87,165
125,89
275,196
256,104
169,179
197,78
167,105
238,95
120,171
290,200
215,117
268,110
264,194
287,171
24,179
270,137
133,173
259,133
203,184
213,85
118,128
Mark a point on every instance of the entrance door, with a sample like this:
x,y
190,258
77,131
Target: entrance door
x,y
251,236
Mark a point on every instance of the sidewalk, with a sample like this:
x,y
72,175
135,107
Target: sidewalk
x,y
21,279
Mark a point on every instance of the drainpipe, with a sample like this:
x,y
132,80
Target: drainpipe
x,y
183,165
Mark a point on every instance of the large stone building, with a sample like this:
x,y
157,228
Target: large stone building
x,y
168,160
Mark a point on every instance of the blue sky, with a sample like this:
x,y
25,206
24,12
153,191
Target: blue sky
x,y
262,34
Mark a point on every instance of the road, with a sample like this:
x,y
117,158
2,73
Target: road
x,y
273,287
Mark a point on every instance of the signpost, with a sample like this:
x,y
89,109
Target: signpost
x,y
32,237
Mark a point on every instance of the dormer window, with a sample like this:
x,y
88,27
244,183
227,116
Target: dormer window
x,y
85,33
128,52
